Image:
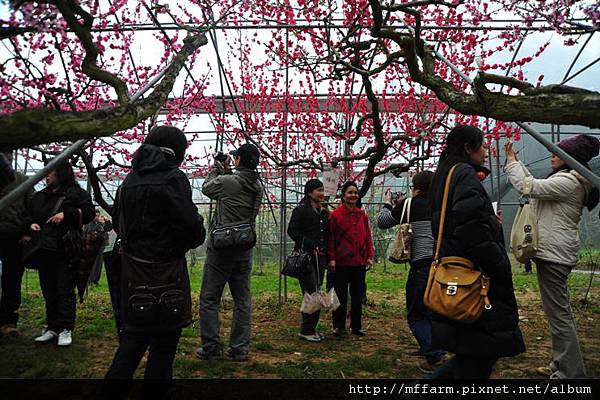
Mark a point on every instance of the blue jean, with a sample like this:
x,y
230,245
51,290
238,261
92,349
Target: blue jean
x,y
233,268
419,316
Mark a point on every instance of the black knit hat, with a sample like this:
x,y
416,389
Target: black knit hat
x,y
311,185
169,137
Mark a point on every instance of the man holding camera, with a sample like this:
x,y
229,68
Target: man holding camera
x,y
238,197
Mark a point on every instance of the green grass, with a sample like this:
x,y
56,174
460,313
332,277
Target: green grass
x,y
275,349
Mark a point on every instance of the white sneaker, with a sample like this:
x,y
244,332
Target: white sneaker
x,y
47,336
310,338
65,338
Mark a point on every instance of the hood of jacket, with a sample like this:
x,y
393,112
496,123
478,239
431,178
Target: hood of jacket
x,y
151,158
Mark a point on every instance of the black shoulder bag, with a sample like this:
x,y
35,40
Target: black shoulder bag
x,y
297,263
240,235
157,293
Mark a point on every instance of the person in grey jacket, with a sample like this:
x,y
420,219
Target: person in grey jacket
x,y
238,196
558,202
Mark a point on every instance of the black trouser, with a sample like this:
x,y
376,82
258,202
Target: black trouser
x,y
113,276
353,277
463,366
96,271
309,282
159,367
57,280
12,273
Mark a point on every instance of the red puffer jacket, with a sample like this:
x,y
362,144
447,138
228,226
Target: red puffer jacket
x,y
349,242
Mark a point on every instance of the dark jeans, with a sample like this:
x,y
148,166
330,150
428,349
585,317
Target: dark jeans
x,y
465,367
419,316
58,287
220,268
12,273
159,367
309,283
354,278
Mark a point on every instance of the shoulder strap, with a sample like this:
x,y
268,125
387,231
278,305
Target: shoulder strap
x,y
403,211
443,214
57,205
409,200
121,219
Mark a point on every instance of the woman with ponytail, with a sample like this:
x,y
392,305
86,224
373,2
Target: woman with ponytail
x,y
308,229
471,230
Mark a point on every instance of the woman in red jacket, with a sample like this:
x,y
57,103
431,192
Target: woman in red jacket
x,y
349,250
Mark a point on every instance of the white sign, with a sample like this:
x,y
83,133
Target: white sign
x,y
331,177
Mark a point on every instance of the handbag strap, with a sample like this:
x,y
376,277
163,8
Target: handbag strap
x,y
443,214
405,205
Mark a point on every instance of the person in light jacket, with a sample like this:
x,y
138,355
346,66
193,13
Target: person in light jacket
x,y
558,202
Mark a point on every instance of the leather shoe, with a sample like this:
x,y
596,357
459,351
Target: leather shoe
x,y
338,332
359,332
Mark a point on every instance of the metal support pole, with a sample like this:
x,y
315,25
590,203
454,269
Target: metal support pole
x,y
283,209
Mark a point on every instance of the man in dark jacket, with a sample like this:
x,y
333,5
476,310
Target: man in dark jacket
x,y
157,223
12,229
238,196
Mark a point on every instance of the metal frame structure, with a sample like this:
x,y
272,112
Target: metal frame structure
x,y
227,95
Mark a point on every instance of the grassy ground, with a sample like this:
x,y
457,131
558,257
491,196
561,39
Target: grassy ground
x,y
275,350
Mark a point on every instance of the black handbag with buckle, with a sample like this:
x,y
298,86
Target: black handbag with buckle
x,y
297,263
154,294
240,235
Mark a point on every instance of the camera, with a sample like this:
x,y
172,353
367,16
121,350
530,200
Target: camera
x,y
397,196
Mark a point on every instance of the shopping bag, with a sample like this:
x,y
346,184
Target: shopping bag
x,y
310,303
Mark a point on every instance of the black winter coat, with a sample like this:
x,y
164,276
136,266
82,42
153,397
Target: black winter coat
x,y
12,222
157,222
308,225
42,205
471,230
160,220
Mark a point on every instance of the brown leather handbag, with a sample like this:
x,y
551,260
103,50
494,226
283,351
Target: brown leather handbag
x,y
455,289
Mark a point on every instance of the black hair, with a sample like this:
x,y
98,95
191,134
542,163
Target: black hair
x,y
170,137
248,160
457,141
65,175
345,187
422,181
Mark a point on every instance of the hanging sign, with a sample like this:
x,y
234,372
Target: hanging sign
x,y
331,177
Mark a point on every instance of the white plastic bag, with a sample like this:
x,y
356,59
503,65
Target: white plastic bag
x,y
324,299
311,303
333,299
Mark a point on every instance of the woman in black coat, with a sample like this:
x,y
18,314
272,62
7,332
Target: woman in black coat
x,y
308,229
472,231
157,223
61,206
